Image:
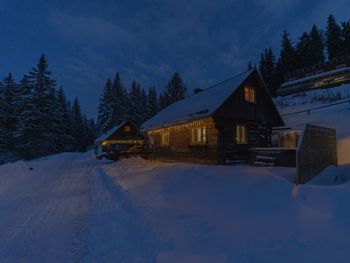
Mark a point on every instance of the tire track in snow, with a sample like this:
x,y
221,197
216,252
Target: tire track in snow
x,y
79,246
118,231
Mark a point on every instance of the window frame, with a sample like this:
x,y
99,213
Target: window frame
x,y
198,135
164,138
241,129
249,94
126,128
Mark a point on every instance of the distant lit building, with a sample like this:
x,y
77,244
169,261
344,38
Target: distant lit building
x,y
324,75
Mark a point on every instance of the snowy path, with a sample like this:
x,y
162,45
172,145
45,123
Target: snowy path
x,y
66,210
36,216
125,236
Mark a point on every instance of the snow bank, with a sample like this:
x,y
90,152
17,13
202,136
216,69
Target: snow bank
x,y
332,175
239,213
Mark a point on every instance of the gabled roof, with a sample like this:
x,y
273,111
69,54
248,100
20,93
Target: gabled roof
x,y
109,133
199,105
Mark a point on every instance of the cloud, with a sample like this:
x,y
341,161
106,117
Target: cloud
x,y
90,29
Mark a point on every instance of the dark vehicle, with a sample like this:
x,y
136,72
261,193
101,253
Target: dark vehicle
x,y
133,151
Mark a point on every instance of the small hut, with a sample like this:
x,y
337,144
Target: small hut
x,y
120,138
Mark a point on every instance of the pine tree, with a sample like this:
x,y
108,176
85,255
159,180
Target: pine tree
x,y
346,38
117,97
27,136
65,141
250,67
317,45
8,118
90,130
152,102
304,51
262,65
78,132
287,60
268,70
145,106
105,110
136,109
174,91
334,38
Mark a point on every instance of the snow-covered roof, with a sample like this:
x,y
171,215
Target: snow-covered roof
x,y
199,105
109,133
323,74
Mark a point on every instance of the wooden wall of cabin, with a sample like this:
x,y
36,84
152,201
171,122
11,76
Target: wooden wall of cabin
x,y
262,110
258,135
180,147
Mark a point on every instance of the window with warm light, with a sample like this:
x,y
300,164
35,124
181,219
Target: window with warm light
x,y
249,94
164,138
241,133
198,135
126,128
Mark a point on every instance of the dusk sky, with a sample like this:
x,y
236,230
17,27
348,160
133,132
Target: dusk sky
x,y
206,41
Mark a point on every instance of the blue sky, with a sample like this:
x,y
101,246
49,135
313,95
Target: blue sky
x,y
206,41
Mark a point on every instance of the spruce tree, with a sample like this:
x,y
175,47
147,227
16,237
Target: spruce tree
x,y
152,102
287,60
346,38
304,51
269,70
90,130
317,45
250,67
44,115
118,102
136,108
27,136
65,141
174,91
8,118
105,110
262,65
78,132
334,38
145,106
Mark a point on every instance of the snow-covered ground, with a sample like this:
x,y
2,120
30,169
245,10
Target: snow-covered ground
x,y
74,208
337,117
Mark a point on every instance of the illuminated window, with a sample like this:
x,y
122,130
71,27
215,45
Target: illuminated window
x,y
249,94
126,128
198,135
241,133
164,138
151,139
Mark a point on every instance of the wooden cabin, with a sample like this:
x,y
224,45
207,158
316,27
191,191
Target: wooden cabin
x,y
120,138
217,125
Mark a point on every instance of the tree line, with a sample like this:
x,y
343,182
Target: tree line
x,y
135,103
314,46
36,119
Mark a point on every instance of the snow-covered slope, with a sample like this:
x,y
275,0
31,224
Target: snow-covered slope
x,y
337,117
